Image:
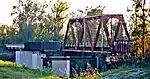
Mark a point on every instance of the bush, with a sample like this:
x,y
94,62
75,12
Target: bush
x,y
7,63
50,77
89,73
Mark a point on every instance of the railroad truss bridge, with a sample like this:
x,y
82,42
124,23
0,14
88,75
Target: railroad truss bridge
x,y
87,36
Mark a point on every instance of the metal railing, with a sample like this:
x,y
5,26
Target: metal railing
x,y
122,46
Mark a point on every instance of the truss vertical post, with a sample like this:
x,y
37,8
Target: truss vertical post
x,y
111,29
93,35
76,39
82,31
102,31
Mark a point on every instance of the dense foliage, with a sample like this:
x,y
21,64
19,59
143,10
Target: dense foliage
x,y
33,22
141,26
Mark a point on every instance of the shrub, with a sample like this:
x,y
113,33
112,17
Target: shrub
x,y
89,73
50,77
7,63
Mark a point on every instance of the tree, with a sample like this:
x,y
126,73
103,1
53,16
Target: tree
x,y
29,16
91,10
141,27
38,25
58,13
58,18
8,34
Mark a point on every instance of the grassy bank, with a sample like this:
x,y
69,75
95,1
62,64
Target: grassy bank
x,y
10,70
128,72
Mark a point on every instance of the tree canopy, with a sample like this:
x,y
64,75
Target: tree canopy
x,y
36,24
141,26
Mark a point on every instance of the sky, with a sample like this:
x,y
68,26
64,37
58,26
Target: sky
x,y
112,6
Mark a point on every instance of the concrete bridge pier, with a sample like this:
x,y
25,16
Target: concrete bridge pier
x,y
101,62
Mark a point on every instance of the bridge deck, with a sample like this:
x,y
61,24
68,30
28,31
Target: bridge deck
x,y
85,51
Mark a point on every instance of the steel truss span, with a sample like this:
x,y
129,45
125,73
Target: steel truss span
x,y
97,33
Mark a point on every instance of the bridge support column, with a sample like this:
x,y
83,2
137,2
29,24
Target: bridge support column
x,y
101,62
31,59
61,67
97,62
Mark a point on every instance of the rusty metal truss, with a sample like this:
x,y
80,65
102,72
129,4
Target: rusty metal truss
x,y
89,33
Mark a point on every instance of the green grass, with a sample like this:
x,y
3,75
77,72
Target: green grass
x,y
113,71
12,72
128,72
